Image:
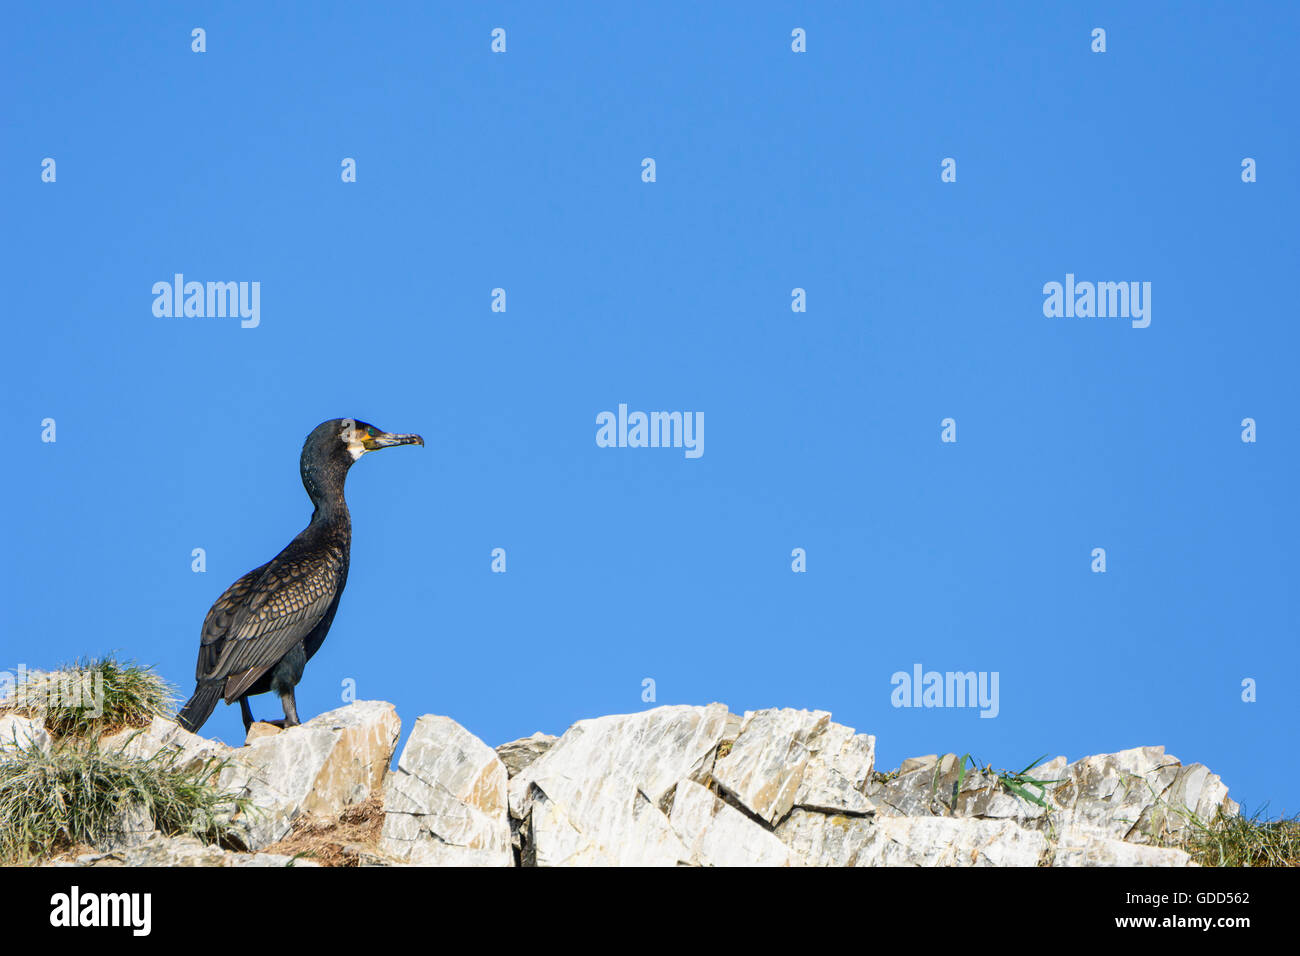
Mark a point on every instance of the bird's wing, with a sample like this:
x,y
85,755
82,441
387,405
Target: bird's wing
x,y
281,607
216,626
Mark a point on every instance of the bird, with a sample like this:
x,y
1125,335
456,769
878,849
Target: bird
x,y
261,632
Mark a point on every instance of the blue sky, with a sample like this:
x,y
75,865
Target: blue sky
x,y
775,170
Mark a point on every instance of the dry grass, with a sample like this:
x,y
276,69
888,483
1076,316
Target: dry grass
x,y
1245,841
77,794
330,841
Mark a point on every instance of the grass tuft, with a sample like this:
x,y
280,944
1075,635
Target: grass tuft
x,y
1019,782
1245,841
78,793
94,696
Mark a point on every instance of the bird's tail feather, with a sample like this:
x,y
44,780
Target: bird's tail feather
x,y
199,707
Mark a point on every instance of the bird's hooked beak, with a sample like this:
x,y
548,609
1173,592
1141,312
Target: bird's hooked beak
x,y
389,440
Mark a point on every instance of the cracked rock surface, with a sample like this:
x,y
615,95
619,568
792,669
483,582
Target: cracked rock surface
x,y
668,786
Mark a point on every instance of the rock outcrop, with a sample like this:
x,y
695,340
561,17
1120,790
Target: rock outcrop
x,y
17,732
445,804
180,851
331,762
678,785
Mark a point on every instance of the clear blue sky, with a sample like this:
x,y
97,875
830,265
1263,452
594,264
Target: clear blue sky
x,y
775,170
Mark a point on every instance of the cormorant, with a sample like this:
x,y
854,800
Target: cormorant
x,y
261,632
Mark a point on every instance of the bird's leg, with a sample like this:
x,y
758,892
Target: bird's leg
x,y
290,709
249,719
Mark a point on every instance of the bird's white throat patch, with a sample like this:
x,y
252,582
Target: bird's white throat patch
x,y
350,435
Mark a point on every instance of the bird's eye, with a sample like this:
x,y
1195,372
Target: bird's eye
x,y
371,432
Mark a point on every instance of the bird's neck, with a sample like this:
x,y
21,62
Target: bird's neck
x,y
324,484
332,511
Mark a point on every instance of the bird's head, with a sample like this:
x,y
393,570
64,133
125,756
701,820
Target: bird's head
x,y
360,437
333,446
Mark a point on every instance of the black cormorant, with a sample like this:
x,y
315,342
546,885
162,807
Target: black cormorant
x,y
260,634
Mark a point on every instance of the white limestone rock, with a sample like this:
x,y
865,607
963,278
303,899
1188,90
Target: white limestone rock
x,y
838,772
1141,795
598,794
180,851
837,840
331,762
620,828
184,749
716,834
20,733
950,841
518,754
822,839
446,803
765,766
132,827
1080,846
